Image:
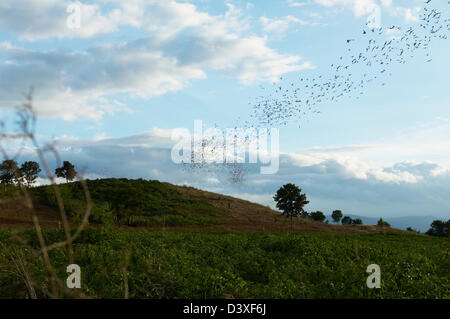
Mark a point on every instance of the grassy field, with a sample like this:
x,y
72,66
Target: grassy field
x,y
167,241
221,264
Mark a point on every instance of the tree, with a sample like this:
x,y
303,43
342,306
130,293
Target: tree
x,y
67,171
336,215
304,214
439,228
317,216
347,220
382,223
9,172
357,221
30,170
290,200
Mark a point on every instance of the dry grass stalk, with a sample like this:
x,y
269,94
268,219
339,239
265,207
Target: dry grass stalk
x,y
27,124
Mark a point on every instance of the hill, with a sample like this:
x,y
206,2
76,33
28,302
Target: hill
x,y
139,258
156,205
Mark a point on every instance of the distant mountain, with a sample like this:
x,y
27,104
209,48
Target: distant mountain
x,y
420,223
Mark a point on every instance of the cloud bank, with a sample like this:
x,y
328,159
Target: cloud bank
x,y
347,177
178,44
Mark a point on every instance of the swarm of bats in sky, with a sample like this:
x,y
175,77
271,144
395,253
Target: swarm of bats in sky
x,y
368,58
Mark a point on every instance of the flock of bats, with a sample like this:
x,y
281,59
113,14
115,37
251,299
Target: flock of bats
x,y
365,62
368,59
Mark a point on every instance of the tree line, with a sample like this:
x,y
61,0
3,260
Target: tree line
x,y
27,173
290,200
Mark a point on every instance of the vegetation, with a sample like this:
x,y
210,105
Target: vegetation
x,y
11,174
30,171
317,216
66,171
290,201
130,202
213,264
382,223
156,205
336,215
439,228
187,264
347,220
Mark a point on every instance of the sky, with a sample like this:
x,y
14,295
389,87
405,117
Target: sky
x,y
111,92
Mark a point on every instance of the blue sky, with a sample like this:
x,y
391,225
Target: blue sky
x,y
111,92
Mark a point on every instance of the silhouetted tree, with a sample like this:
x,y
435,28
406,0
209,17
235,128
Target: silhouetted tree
x,y
336,215
357,221
317,216
67,171
439,228
30,171
346,220
9,172
290,200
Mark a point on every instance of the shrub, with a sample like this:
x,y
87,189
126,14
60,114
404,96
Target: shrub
x,y
382,223
317,216
346,220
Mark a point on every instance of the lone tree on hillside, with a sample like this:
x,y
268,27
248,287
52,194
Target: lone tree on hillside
x,y
67,171
290,200
317,216
30,171
336,215
9,172
347,220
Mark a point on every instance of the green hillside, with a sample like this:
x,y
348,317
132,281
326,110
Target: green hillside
x,y
148,239
132,203
156,205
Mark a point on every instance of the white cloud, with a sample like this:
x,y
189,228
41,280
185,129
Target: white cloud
x,y
280,25
409,14
350,167
293,3
70,85
182,45
359,7
364,7
41,19
77,84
